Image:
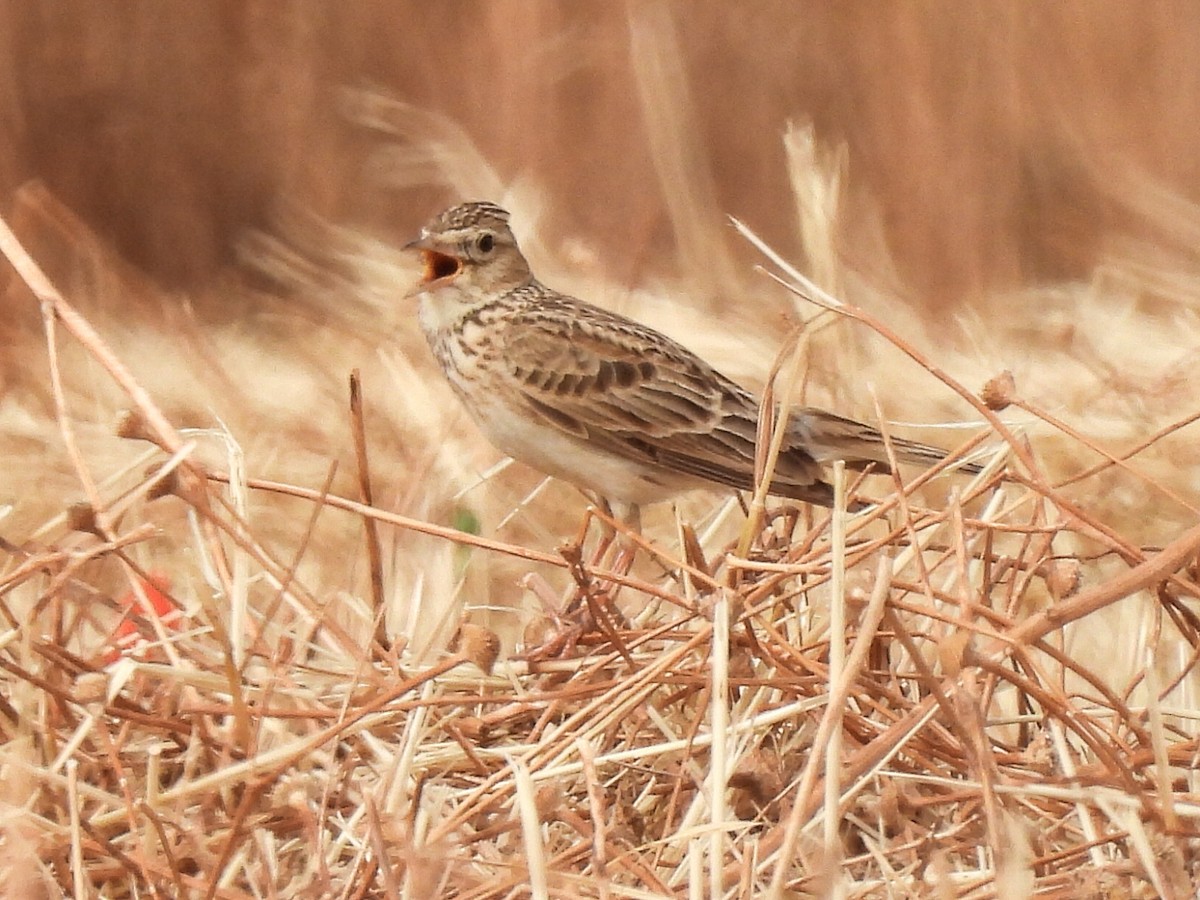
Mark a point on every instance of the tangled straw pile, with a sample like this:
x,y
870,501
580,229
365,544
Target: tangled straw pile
x,y
895,703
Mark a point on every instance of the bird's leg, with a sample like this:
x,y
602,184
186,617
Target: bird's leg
x,y
629,514
598,596
598,602
607,533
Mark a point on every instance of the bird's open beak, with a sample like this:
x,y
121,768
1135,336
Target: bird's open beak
x,y
439,265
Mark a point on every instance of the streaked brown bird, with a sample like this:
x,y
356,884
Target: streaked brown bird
x,y
600,400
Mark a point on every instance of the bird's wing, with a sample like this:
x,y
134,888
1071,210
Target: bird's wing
x,y
629,390
586,374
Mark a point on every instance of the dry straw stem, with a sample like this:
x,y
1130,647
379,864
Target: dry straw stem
x,y
712,739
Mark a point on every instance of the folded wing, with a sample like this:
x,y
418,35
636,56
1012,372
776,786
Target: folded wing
x,y
624,388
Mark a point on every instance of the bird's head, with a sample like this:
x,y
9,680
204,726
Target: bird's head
x,y
470,246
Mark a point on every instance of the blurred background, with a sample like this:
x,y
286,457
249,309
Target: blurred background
x,y
982,139
222,187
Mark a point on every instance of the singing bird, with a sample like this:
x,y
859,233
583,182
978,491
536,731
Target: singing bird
x,y
602,401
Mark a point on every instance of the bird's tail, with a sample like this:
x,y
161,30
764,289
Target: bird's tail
x,y
828,437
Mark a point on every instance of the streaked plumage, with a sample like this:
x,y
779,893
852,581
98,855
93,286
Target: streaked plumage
x,y
598,399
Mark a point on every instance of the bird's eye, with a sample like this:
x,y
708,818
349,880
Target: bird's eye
x,y
485,243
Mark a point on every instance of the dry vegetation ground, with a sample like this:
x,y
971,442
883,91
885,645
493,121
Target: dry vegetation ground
x,y
226,675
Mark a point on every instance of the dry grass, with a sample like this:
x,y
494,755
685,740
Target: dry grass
x,y
226,676
884,703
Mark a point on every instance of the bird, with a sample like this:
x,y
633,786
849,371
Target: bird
x,y
600,400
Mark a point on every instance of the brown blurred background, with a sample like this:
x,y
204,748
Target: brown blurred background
x,y
980,136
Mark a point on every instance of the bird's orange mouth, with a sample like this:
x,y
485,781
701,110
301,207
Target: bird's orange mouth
x,y
439,266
